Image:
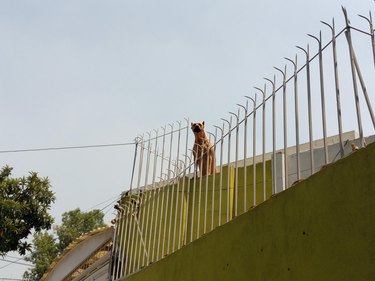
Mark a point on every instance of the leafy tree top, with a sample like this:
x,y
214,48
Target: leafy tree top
x,y
24,205
47,246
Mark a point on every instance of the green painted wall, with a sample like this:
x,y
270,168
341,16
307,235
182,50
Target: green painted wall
x,y
320,229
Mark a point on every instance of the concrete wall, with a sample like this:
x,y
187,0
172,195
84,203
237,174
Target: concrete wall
x,y
320,229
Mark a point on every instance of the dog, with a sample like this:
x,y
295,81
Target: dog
x,y
203,150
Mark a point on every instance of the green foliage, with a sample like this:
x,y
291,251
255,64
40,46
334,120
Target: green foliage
x,y
45,247
75,223
24,206
44,252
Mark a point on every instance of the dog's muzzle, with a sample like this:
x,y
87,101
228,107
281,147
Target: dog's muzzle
x,y
196,129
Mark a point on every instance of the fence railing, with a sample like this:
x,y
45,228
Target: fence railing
x,y
276,137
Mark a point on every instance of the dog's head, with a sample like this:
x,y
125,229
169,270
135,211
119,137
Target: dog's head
x,y
197,127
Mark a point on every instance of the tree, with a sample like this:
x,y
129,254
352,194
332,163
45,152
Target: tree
x,y
46,247
46,252
24,206
75,223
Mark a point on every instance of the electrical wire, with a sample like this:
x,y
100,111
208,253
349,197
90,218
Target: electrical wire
x,y
66,147
15,262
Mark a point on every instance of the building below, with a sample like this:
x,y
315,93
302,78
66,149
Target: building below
x,y
86,258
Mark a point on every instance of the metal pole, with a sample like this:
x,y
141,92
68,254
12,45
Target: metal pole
x,y
309,107
193,201
228,168
124,253
213,185
221,171
236,164
172,185
200,190
274,166
142,207
187,200
133,245
244,154
355,88
337,86
117,245
183,183
161,189
296,116
206,191
364,90
322,95
286,170
263,139
168,187
254,150
154,198
369,20
178,187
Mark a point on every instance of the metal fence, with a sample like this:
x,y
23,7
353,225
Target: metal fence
x,y
276,137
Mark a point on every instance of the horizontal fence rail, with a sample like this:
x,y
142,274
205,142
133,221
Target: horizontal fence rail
x,y
188,179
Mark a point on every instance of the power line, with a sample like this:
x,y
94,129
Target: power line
x,y
15,262
66,147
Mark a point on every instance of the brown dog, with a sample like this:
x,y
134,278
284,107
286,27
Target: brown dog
x,y
203,150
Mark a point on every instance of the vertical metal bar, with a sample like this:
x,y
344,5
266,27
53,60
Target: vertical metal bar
x,y
172,186
153,199
130,224
221,171
285,123
168,187
355,87
254,149
178,186
131,246
274,180
244,155
236,164
322,95
161,189
263,140
228,168
126,238
206,191
187,200
364,90
309,107
296,117
157,195
114,260
142,207
213,185
183,183
200,190
369,20
117,245
337,86
122,260
135,210
122,235
193,201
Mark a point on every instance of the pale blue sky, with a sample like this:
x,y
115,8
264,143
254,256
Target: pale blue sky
x,y
87,72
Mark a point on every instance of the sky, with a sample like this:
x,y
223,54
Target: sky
x,y
89,72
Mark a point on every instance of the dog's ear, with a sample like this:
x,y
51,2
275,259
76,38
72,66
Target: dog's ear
x,y
192,124
203,123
